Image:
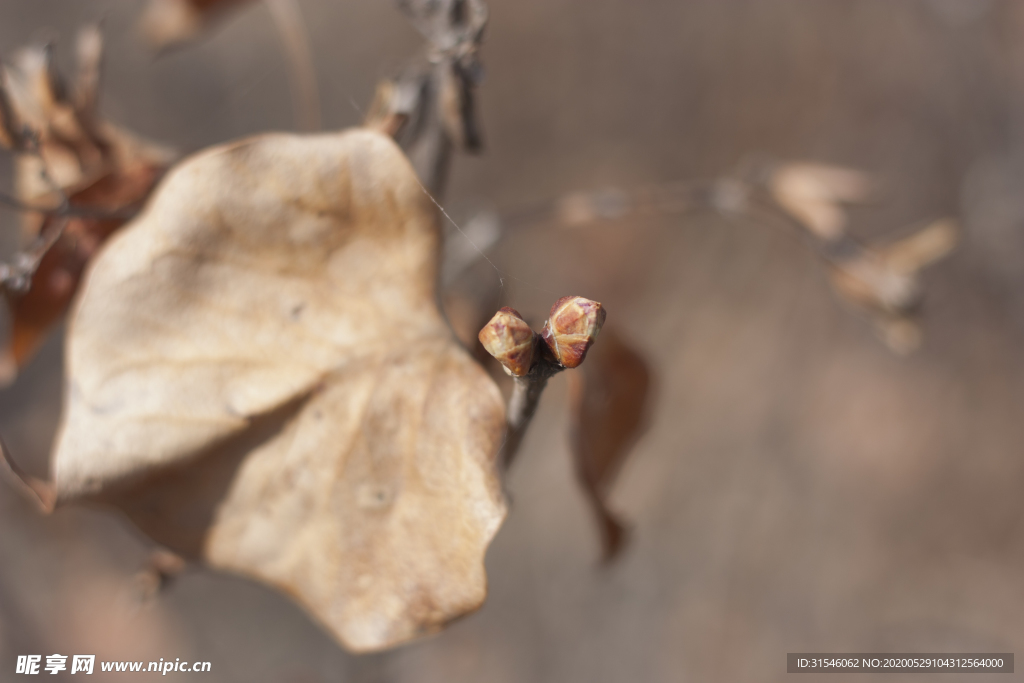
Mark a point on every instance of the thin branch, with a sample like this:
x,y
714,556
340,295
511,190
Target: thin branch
x,y
581,208
430,109
522,405
880,281
734,195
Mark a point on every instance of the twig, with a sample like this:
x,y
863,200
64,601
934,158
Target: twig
x,y
526,393
288,19
430,109
867,276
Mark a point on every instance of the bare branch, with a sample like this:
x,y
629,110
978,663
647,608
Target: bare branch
x,y
430,109
522,405
881,281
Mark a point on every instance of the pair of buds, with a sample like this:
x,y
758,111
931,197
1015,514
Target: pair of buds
x,y
567,335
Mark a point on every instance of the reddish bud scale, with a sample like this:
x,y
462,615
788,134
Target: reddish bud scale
x,y
510,340
571,329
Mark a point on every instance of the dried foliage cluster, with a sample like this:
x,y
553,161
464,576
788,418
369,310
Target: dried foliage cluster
x,y
258,372
82,176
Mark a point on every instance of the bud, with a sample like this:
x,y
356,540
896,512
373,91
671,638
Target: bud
x,y
510,340
571,328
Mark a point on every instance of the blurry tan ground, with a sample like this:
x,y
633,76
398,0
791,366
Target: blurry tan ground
x,y
800,489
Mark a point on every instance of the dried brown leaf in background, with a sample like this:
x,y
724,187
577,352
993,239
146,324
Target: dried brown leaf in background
x,y
923,248
258,375
813,194
169,23
884,281
609,401
87,171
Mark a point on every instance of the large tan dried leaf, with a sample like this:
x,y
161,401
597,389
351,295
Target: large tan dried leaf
x,y
259,376
65,149
609,403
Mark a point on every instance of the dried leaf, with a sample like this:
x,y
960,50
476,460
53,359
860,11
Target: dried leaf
x,y
609,396
258,375
98,167
884,282
169,23
923,248
812,194
886,278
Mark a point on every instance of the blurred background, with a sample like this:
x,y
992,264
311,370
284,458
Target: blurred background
x,y
800,487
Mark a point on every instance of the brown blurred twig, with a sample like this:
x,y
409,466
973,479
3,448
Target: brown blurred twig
x,y
430,111
430,108
522,405
881,281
